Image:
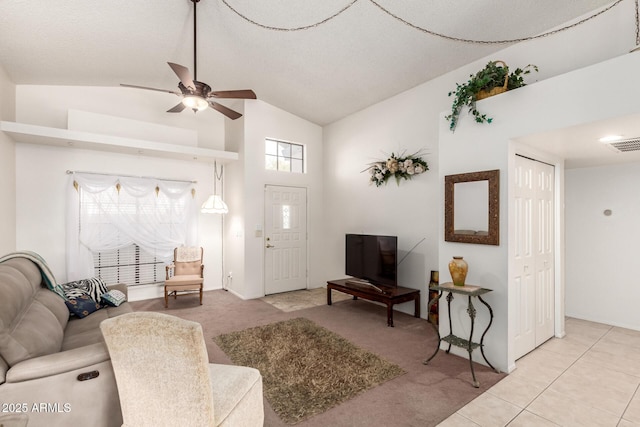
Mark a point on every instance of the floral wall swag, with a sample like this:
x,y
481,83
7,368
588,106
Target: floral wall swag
x,y
400,166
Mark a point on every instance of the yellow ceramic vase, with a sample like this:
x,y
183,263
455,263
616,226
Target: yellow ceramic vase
x,y
458,268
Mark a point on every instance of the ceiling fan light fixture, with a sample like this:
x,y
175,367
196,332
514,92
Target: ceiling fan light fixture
x,y
197,95
195,102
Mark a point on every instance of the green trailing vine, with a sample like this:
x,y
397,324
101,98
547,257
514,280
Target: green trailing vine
x,y
490,77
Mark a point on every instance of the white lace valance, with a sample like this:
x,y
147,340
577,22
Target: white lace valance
x,y
110,212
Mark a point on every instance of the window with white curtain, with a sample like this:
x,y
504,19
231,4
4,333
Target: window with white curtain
x,y
125,229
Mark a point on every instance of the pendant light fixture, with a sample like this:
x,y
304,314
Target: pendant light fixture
x,y
214,203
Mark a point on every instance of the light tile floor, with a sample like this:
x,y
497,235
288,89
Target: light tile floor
x,y
591,377
305,298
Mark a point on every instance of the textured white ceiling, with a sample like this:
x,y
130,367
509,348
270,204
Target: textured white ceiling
x,y
322,74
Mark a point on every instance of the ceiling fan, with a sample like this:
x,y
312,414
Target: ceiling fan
x,y
198,95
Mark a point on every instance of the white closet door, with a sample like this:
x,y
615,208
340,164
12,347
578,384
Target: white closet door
x,y
544,253
532,279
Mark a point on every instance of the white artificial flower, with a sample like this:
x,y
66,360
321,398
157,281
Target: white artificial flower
x,y
410,170
392,165
418,169
408,163
379,176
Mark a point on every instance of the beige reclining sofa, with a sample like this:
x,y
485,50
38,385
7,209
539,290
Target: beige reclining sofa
x,y
53,369
56,370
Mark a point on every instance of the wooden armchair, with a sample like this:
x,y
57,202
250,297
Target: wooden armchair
x,y
185,275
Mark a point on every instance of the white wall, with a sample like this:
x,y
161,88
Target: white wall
x,y
243,187
41,206
261,121
7,168
409,210
602,251
550,104
415,119
48,106
234,184
411,120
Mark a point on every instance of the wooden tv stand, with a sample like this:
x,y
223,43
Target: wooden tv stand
x,y
387,295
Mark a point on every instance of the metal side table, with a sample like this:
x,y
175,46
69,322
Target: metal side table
x,y
470,291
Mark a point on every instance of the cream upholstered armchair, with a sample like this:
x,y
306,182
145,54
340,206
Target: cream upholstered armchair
x,y
164,377
185,275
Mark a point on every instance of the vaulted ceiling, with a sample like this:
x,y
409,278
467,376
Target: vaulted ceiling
x,y
323,73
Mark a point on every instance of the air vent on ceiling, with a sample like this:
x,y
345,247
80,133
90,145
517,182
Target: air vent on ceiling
x,y
631,144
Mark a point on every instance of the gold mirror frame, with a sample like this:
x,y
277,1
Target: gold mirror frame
x,y
492,236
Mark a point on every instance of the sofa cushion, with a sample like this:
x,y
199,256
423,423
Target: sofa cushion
x,y
72,290
82,306
48,279
94,287
80,332
35,332
113,298
55,304
31,319
19,282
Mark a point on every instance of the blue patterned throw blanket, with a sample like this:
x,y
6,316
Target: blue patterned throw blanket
x,y
47,276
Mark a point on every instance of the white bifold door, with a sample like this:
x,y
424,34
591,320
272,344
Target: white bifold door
x,y
532,279
285,239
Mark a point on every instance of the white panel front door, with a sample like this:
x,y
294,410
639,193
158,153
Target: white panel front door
x,y
285,239
532,280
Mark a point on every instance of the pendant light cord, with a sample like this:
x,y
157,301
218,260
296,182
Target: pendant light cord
x,y
217,177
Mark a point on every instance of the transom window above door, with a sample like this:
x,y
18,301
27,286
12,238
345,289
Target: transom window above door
x,y
283,156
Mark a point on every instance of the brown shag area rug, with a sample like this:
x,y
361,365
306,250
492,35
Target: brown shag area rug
x,y
306,369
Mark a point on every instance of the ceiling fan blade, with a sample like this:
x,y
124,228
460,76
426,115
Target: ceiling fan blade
x,y
183,74
177,109
151,88
224,110
242,94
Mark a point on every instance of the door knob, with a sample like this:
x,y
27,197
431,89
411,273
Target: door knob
x,y
269,246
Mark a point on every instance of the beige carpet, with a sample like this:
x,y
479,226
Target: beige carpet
x,y
423,397
306,369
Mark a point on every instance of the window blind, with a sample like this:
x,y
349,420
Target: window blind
x,y
131,265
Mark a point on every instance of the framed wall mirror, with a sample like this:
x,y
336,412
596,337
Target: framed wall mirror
x,y
472,207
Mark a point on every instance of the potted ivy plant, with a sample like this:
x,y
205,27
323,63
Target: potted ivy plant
x,y
493,79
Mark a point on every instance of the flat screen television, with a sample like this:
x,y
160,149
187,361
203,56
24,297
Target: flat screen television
x,y
372,258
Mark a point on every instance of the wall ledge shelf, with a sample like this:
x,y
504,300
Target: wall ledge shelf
x,y
43,135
